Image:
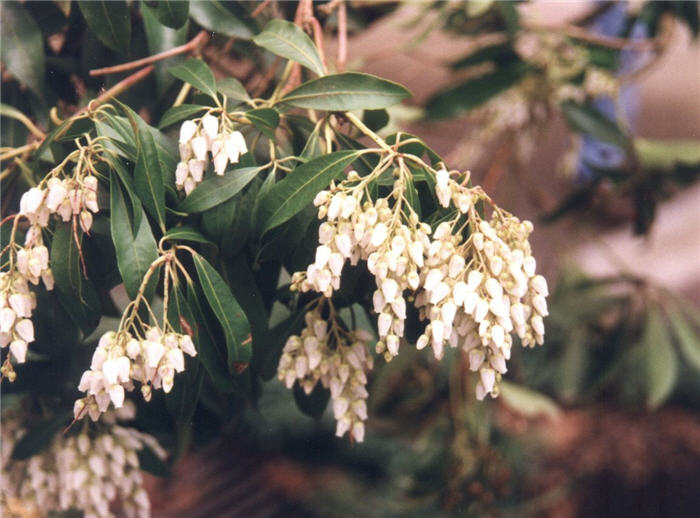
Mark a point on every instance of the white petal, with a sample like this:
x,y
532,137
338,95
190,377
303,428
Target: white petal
x,y
116,394
7,319
25,329
439,293
187,131
18,348
210,124
383,323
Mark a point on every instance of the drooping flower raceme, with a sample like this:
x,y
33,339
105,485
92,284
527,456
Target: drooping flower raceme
x,y
88,471
121,359
16,305
339,360
71,197
473,280
204,139
479,301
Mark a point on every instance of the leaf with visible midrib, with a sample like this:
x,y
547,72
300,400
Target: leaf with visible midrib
x,y
136,250
212,15
186,233
232,89
148,178
298,189
109,21
227,310
79,296
344,92
177,113
289,41
171,13
265,119
197,73
217,189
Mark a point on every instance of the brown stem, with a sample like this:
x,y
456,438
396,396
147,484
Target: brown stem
x,y
342,36
260,8
120,87
318,39
194,43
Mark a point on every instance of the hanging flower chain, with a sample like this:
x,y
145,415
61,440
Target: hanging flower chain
x,y
70,194
472,279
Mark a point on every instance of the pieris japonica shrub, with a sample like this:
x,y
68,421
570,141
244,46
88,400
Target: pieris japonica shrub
x,y
206,230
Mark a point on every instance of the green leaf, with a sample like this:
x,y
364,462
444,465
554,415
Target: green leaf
x,y
246,291
218,189
501,54
228,312
170,13
182,399
78,294
161,38
527,402
22,46
667,154
38,438
289,41
265,119
313,404
186,233
214,16
412,197
152,463
109,21
375,119
298,189
177,113
588,120
475,92
67,130
660,360
312,148
148,178
232,89
510,16
212,356
135,246
348,91
688,340
133,125
197,73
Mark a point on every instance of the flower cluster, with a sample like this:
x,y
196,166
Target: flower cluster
x,y
473,280
198,138
308,358
121,359
480,303
371,231
67,197
86,472
16,305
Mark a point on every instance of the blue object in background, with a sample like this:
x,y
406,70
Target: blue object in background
x,y
595,153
